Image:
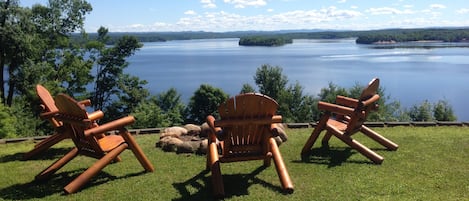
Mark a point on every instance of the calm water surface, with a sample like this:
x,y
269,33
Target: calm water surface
x,y
410,75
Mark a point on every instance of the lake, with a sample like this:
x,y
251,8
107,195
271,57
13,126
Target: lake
x,y
408,74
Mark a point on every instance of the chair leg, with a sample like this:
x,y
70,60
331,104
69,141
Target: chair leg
x,y
84,177
268,159
282,171
45,174
44,145
214,166
373,156
314,135
136,150
326,138
378,138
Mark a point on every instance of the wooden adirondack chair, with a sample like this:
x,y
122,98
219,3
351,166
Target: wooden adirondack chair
x,y
346,118
246,131
77,124
48,110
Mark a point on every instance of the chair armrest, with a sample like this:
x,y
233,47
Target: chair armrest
x,y
96,115
370,101
86,102
214,130
110,126
346,101
338,109
48,115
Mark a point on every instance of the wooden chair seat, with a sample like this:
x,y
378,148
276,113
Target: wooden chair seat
x,y
110,142
337,124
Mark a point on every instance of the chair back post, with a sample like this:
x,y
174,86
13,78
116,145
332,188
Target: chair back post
x,y
366,103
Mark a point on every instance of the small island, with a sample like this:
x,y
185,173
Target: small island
x,y
264,41
413,35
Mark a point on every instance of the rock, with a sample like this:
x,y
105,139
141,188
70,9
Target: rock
x,y
193,129
188,147
169,143
278,140
281,132
205,130
176,130
203,147
165,135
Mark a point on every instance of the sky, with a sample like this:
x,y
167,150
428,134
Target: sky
x,y
270,15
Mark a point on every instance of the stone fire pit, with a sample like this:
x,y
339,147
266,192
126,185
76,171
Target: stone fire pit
x,y
192,138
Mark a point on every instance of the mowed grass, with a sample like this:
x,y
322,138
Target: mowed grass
x,y
432,163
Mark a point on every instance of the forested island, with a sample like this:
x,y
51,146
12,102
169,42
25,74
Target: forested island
x,y
408,35
264,41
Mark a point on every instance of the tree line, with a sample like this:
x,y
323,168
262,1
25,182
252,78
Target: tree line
x,y
38,45
406,35
264,41
362,37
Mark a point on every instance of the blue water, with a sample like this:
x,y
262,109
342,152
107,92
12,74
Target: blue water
x,y
410,75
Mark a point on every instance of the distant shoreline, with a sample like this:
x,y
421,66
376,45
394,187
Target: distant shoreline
x,y
363,37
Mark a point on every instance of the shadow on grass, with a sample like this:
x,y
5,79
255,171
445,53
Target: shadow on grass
x,y
235,185
331,156
50,154
55,185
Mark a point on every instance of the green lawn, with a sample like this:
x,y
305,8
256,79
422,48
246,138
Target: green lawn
x,y
432,163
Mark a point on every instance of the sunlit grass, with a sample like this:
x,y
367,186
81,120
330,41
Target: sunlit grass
x,y
431,163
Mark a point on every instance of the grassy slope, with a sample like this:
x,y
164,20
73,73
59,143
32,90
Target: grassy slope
x,y
430,164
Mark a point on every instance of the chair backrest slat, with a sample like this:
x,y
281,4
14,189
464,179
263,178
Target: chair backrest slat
x,y
48,104
242,107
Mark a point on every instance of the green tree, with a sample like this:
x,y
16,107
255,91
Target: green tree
x,y
422,112
294,106
110,70
270,80
131,94
171,104
7,123
204,102
328,94
15,44
149,115
247,88
442,111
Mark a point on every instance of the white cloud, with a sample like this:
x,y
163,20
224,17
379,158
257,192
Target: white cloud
x,y
221,21
341,1
245,3
408,6
325,18
463,11
190,12
208,3
437,6
387,11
